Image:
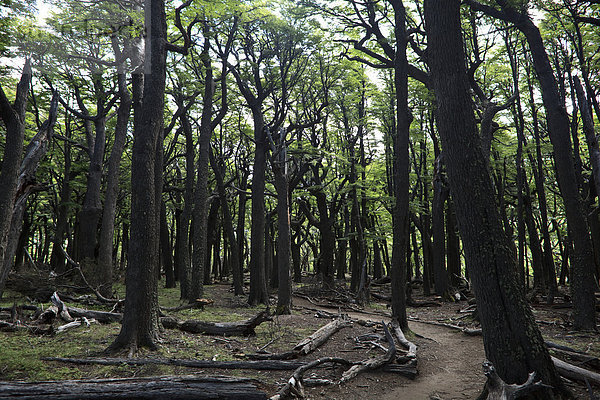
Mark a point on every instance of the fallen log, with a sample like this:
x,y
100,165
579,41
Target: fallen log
x,y
410,346
575,373
372,363
173,388
294,386
241,328
197,303
63,310
309,344
100,316
34,329
276,365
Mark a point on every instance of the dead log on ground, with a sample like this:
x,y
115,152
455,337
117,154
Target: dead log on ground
x,y
166,387
308,344
466,331
267,365
372,363
576,373
63,310
410,346
100,316
241,328
294,386
34,329
500,390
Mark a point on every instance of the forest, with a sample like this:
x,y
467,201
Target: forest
x,y
406,194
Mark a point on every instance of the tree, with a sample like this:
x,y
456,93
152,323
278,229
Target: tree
x,y
582,287
140,318
513,343
13,116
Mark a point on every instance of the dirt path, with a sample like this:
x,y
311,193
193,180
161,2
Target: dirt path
x,y
449,365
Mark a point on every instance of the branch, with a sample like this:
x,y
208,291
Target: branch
x,y
185,33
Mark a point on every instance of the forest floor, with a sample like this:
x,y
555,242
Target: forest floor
x,y
449,361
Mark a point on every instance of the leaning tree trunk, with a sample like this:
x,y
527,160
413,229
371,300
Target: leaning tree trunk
x,y
25,185
13,116
511,338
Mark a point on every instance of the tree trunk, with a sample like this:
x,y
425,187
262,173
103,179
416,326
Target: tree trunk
x,y
401,168
582,286
511,338
57,258
13,116
236,266
182,250
25,185
200,220
258,283
140,318
166,255
440,193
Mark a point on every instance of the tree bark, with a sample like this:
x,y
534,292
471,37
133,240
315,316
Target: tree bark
x,y
511,338
140,318
13,116
164,387
582,287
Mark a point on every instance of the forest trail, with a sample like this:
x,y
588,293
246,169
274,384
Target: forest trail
x,y
449,365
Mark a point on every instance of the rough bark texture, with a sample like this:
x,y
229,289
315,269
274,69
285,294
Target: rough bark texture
x,y
258,281
140,319
401,169
236,267
13,116
165,387
511,338
25,185
582,284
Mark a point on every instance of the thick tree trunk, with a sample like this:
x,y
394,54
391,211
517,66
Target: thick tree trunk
x,y
284,299
25,185
401,168
511,338
140,319
258,282
582,285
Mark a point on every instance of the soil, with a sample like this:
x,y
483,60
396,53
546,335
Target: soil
x,y
449,361
449,364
